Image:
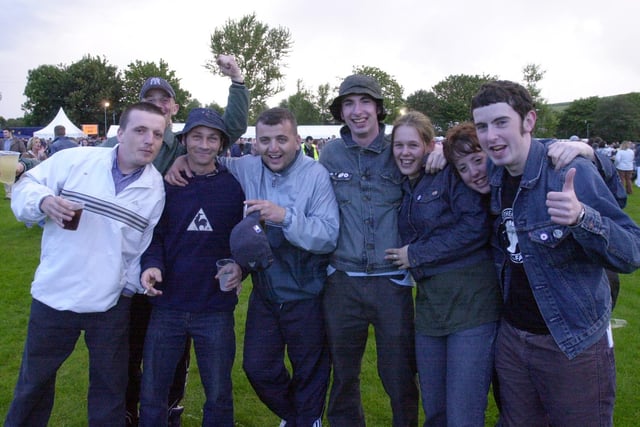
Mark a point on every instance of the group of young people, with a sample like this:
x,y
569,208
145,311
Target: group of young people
x,y
507,242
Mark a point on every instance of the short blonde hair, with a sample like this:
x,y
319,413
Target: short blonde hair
x,y
31,141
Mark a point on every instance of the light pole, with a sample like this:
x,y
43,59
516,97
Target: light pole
x,y
587,123
106,105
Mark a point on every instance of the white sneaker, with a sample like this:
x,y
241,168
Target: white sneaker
x,y
316,423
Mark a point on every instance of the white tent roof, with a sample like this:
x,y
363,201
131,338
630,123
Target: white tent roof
x,y
317,132
61,118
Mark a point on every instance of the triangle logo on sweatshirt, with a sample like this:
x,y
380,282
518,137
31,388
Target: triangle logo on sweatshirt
x,y
200,222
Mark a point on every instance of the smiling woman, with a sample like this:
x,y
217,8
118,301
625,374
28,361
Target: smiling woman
x,y
444,228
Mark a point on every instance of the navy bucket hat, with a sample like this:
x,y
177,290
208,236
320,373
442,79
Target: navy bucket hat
x,y
205,117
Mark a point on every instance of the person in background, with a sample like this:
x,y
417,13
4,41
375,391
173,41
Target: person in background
x,y
623,162
240,148
60,141
636,150
309,148
180,268
365,288
160,93
444,230
123,199
35,149
555,231
9,143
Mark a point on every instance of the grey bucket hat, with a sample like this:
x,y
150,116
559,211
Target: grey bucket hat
x,y
357,84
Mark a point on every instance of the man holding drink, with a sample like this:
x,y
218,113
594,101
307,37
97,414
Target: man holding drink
x,y
123,199
179,270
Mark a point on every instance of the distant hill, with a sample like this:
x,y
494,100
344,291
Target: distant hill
x,y
561,106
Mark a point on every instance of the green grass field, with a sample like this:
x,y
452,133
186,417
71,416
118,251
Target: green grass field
x,y
19,256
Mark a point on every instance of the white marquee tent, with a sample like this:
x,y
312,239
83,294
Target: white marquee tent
x,y
317,132
61,118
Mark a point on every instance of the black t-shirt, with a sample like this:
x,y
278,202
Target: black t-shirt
x,y
521,309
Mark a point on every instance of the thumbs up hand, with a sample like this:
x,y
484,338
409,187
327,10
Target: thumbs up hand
x,y
563,207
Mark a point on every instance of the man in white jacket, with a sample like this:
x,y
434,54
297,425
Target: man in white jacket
x,y
123,198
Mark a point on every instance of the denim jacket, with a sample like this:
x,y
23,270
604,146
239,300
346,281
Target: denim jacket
x,y
367,185
445,223
565,264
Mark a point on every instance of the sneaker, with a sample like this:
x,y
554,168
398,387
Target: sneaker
x,y
174,416
283,423
131,420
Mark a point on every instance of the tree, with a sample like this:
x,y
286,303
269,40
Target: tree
x,y
302,105
323,99
575,118
79,88
215,106
45,91
427,103
449,101
391,89
617,118
92,81
260,52
454,95
547,120
136,74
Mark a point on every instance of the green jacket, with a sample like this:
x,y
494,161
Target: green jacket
x,y
235,118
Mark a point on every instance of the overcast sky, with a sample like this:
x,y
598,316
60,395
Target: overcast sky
x,y
587,47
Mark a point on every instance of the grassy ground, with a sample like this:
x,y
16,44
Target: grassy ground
x,y
19,253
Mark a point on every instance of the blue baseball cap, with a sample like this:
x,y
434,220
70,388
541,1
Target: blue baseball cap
x,y
249,244
156,83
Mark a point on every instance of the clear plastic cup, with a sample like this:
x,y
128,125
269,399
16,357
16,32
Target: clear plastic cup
x,y
224,272
8,165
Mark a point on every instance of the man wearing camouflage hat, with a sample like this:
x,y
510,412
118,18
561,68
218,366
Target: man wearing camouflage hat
x,y
363,288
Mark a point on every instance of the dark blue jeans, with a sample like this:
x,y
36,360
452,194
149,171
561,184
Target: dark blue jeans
x,y
540,386
138,323
455,372
51,338
351,304
215,348
298,328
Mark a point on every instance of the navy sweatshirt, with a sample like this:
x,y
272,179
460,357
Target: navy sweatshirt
x,y
192,234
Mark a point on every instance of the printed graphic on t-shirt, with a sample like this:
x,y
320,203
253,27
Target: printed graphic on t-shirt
x,y
509,237
200,222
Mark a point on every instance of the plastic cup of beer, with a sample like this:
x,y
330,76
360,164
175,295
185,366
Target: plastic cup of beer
x,y
8,164
224,272
77,207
